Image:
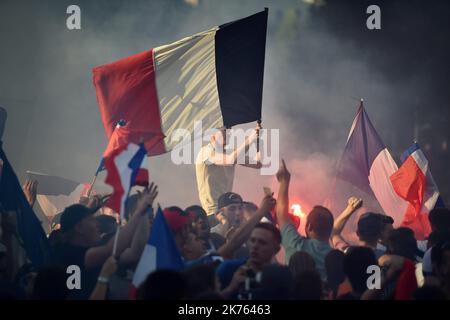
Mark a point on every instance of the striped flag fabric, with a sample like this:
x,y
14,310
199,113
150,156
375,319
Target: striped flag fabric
x,y
414,183
126,166
215,76
160,252
367,164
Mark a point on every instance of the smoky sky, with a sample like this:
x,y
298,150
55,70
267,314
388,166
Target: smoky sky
x,y
320,60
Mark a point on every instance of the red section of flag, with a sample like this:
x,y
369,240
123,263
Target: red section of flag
x,y
142,178
113,179
123,135
409,182
418,223
126,89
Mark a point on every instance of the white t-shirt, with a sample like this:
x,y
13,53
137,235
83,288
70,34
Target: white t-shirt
x,y
212,180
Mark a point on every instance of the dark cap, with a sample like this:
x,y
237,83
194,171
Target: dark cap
x,y
372,223
229,198
72,215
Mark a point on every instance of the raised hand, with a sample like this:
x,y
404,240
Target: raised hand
x,y
30,191
267,204
354,203
109,267
283,175
146,198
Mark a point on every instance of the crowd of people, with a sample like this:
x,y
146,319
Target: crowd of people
x,y
234,254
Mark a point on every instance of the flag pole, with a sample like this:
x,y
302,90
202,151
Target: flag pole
x,y
92,185
120,123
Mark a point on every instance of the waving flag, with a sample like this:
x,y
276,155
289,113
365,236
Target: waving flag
x,y
214,76
29,229
367,164
125,166
414,183
160,252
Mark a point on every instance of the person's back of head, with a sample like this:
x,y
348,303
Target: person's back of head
x,y
440,260
319,223
163,285
356,262
401,242
308,286
371,225
106,224
301,261
334,266
201,279
50,284
439,219
276,283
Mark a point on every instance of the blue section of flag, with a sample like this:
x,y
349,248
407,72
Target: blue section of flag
x,y
363,146
161,237
29,227
136,162
409,152
101,166
135,165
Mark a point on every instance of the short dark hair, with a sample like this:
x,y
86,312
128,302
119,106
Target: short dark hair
x,y
200,280
308,286
197,210
320,220
334,266
106,224
401,242
440,219
271,228
356,261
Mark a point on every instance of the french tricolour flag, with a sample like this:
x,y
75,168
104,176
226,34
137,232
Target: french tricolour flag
x,y
215,76
126,167
414,183
367,164
160,252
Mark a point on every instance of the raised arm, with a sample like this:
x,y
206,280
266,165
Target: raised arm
x,y
282,208
97,255
132,254
219,158
243,232
339,224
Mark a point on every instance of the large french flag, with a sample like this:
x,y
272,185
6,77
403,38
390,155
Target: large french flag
x,y
367,164
160,252
414,183
215,76
126,167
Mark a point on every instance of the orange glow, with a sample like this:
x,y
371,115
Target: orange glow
x,y
297,210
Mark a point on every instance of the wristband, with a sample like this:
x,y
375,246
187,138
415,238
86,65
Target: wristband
x,y
104,280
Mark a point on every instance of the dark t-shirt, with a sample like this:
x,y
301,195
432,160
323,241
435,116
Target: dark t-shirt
x,y
65,255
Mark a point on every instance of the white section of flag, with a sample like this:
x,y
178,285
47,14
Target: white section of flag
x,y
146,265
121,161
382,168
186,83
431,190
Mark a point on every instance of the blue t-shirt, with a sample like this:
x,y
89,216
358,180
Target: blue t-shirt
x,y
226,270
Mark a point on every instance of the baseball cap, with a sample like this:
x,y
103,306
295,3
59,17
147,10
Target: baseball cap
x,y
229,198
177,218
72,215
372,223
